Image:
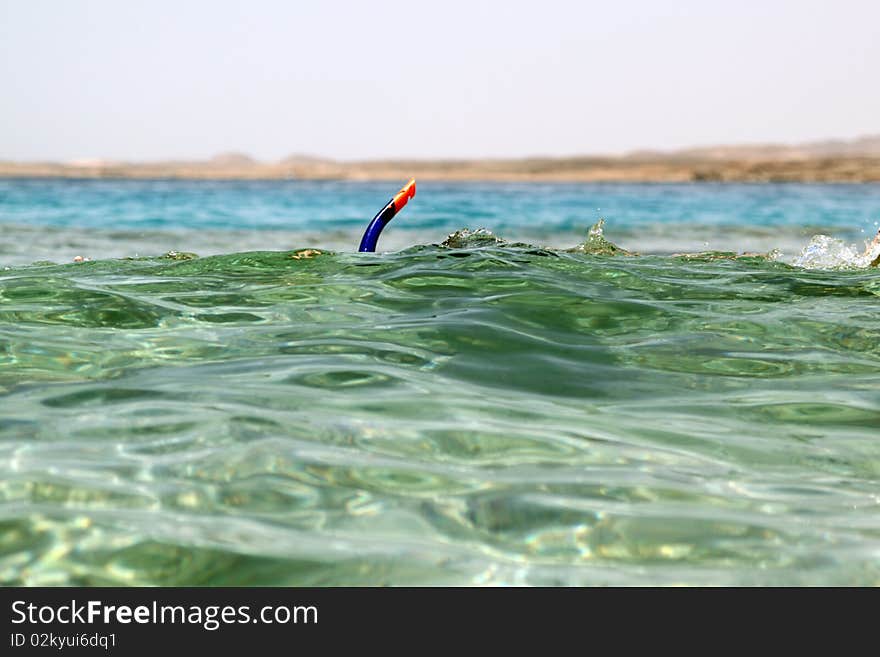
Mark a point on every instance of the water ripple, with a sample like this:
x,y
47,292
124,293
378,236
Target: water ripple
x,y
480,413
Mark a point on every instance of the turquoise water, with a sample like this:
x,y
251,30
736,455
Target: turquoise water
x,y
538,409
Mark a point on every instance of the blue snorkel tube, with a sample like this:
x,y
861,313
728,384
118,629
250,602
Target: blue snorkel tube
x,y
386,214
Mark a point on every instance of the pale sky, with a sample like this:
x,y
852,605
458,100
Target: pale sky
x,y
188,79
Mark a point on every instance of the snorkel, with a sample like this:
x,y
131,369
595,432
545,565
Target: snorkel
x,y
386,214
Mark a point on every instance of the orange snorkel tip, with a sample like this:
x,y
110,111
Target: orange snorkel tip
x,y
405,194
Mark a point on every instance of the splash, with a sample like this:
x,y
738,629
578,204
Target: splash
x,y
466,238
597,244
873,252
824,252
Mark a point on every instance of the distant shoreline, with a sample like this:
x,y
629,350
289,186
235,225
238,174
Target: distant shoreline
x,y
832,161
841,169
587,169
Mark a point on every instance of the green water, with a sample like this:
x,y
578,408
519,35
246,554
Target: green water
x,y
485,414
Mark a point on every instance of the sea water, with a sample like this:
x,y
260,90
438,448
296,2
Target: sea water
x,y
690,395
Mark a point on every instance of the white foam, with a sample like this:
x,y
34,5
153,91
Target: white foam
x,y
824,252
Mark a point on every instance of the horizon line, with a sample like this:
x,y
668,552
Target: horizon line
x,y
243,158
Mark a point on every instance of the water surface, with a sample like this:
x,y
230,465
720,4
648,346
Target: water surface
x,y
480,412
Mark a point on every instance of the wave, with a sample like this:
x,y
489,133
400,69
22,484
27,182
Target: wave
x,y
25,245
472,411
